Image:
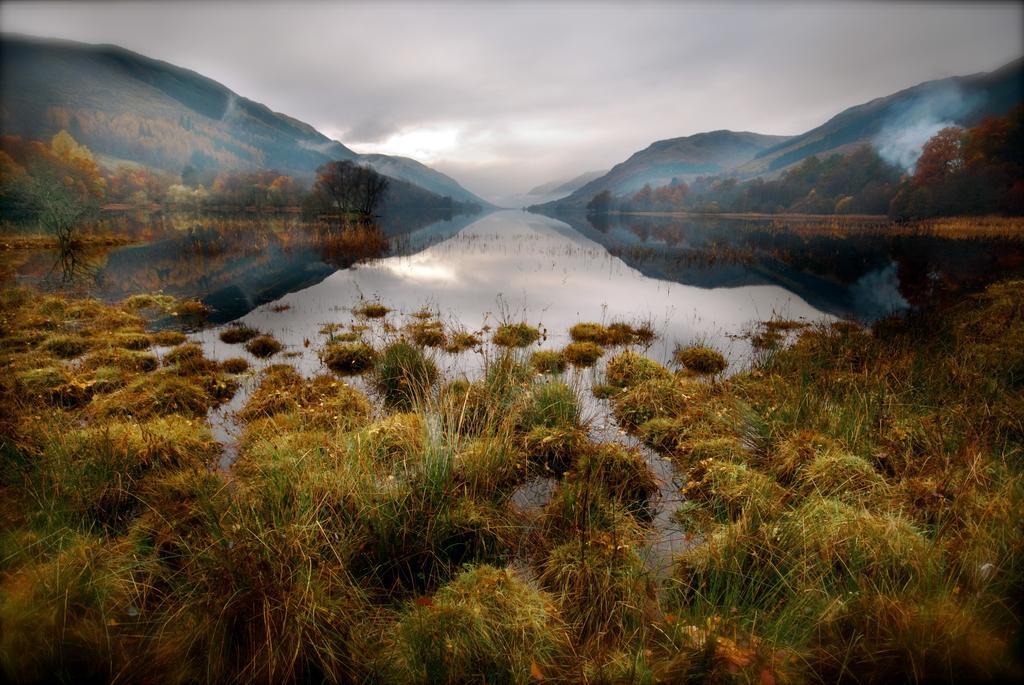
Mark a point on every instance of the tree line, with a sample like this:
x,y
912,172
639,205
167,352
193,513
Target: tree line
x,y
60,184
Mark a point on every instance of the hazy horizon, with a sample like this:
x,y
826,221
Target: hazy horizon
x,y
505,97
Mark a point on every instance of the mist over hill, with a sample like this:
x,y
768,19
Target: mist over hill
x,y
896,125
676,158
128,107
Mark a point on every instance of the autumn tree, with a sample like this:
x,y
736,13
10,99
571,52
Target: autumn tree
x,y
974,171
59,185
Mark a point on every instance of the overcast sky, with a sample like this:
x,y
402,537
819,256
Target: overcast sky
x,y
506,96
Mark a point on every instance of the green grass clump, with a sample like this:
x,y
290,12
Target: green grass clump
x,y
157,394
555,449
622,472
103,467
728,490
700,360
486,625
604,391
628,368
263,346
467,408
348,358
132,341
403,375
602,586
662,433
548,361
550,405
150,301
460,341
582,354
399,437
515,335
612,335
661,397
125,360
322,402
587,332
371,310
427,333
53,385
65,346
845,545
489,465
184,355
169,338
841,475
238,333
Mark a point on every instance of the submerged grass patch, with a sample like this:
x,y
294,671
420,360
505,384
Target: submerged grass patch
x,y
263,346
612,335
700,360
371,310
348,358
238,333
548,361
515,335
582,354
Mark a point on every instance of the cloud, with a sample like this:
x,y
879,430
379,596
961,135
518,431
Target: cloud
x,y
371,130
538,91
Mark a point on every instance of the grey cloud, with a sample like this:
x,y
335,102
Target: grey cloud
x,y
538,91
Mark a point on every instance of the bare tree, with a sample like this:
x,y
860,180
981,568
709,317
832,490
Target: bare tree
x,y
351,188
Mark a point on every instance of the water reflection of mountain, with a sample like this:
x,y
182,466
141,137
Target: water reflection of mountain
x,y
864,276
235,268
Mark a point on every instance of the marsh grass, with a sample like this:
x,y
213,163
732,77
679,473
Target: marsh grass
x,y
238,334
404,374
850,510
515,335
614,334
582,354
263,346
348,358
700,359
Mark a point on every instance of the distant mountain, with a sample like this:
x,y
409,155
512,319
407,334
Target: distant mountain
x,y
125,106
683,158
898,124
547,192
562,187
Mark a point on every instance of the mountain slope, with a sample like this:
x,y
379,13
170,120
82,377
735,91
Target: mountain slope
x,y
126,106
897,125
900,123
562,187
421,175
684,158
